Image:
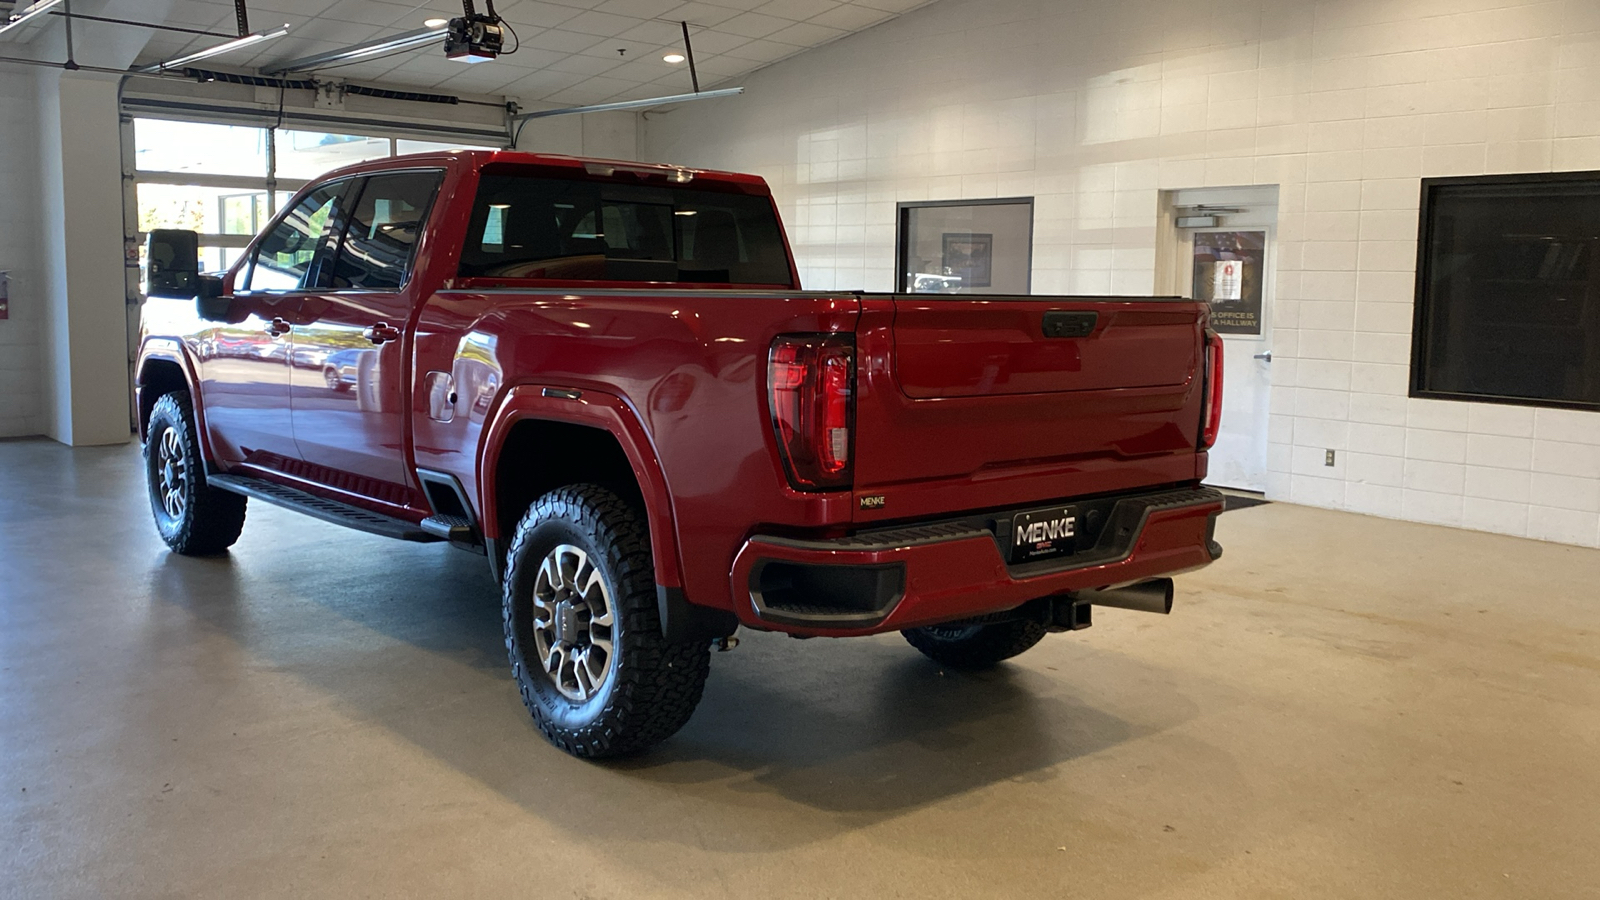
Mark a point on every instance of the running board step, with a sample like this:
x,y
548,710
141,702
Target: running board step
x,y
323,508
458,530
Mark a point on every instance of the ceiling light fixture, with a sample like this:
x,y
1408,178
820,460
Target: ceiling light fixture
x,y
27,15
435,23
674,58
406,40
227,47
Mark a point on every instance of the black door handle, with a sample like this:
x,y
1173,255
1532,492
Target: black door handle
x,y
382,333
279,327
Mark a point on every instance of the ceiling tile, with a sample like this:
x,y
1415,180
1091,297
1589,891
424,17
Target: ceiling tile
x,y
798,10
586,65
805,34
851,18
560,40
705,15
534,14
754,25
764,51
712,41
638,9
601,24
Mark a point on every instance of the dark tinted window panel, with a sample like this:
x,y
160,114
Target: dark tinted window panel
x,y
381,234
574,230
1508,290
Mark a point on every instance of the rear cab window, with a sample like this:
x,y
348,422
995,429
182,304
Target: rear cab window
x,y
527,224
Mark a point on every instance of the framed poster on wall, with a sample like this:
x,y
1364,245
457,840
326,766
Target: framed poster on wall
x,y
969,257
1228,270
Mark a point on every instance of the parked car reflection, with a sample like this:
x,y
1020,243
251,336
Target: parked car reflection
x,y
341,370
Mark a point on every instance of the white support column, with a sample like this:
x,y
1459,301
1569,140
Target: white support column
x,y
83,286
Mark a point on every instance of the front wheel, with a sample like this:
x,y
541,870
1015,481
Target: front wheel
x,y
194,518
975,646
583,631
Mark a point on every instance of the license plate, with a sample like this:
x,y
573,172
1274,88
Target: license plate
x,y
1044,533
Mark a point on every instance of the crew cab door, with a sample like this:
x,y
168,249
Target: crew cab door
x,y
245,371
348,381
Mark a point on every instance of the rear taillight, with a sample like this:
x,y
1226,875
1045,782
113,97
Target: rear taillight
x,y
1212,417
812,382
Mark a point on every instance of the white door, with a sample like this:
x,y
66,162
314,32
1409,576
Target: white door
x,y
1230,262
1233,269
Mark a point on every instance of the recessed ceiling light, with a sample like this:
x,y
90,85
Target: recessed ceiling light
x,y
435,23
673,58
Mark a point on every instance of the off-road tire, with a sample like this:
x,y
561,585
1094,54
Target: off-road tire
x,y
975,646
210,519
652,685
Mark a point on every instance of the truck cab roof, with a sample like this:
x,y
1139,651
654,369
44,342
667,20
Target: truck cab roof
x,y
593,166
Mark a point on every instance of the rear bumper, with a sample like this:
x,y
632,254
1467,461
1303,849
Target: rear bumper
x,y
922,575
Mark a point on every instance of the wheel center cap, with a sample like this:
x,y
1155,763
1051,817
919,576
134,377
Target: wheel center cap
x,y
566,623
167,474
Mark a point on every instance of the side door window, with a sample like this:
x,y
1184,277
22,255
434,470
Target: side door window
x,y
286,258
381,231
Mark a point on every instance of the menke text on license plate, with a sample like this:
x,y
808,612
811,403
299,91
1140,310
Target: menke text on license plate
x,y
1044,533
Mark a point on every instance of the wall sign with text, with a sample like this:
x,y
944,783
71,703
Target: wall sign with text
x,y
1229,267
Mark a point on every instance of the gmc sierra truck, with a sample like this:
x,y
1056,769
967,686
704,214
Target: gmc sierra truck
x,y
606,378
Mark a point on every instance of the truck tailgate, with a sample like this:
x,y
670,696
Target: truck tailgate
x,y
967,403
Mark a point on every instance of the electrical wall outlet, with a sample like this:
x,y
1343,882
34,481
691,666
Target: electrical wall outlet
x,y
1328,460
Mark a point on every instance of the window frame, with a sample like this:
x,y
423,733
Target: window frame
x,y
1421,301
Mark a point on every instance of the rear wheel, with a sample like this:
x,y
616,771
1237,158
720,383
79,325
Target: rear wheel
x,y
193,518
975,646
583,631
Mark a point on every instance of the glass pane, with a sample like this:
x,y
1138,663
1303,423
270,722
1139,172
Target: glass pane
x,y
219,259
1512,291
202,209
308,154
403,146
383,230
162,146
977,249
286,254
531,227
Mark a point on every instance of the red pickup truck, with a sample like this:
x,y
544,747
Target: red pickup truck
x,y
606,378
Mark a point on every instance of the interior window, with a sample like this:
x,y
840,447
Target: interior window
x,y
382,231
284,257
525,226
1509,290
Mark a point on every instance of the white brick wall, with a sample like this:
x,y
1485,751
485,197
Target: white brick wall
x,y
20,360
1093,108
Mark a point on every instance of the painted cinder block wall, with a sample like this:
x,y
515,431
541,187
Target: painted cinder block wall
x,y
1093,108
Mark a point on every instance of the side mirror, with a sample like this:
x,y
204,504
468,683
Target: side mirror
x,y
211,304
172,264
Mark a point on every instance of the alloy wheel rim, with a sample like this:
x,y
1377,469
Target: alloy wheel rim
x,y
574,623
172,475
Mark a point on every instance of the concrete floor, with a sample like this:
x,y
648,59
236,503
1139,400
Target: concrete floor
x,y
1342,707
